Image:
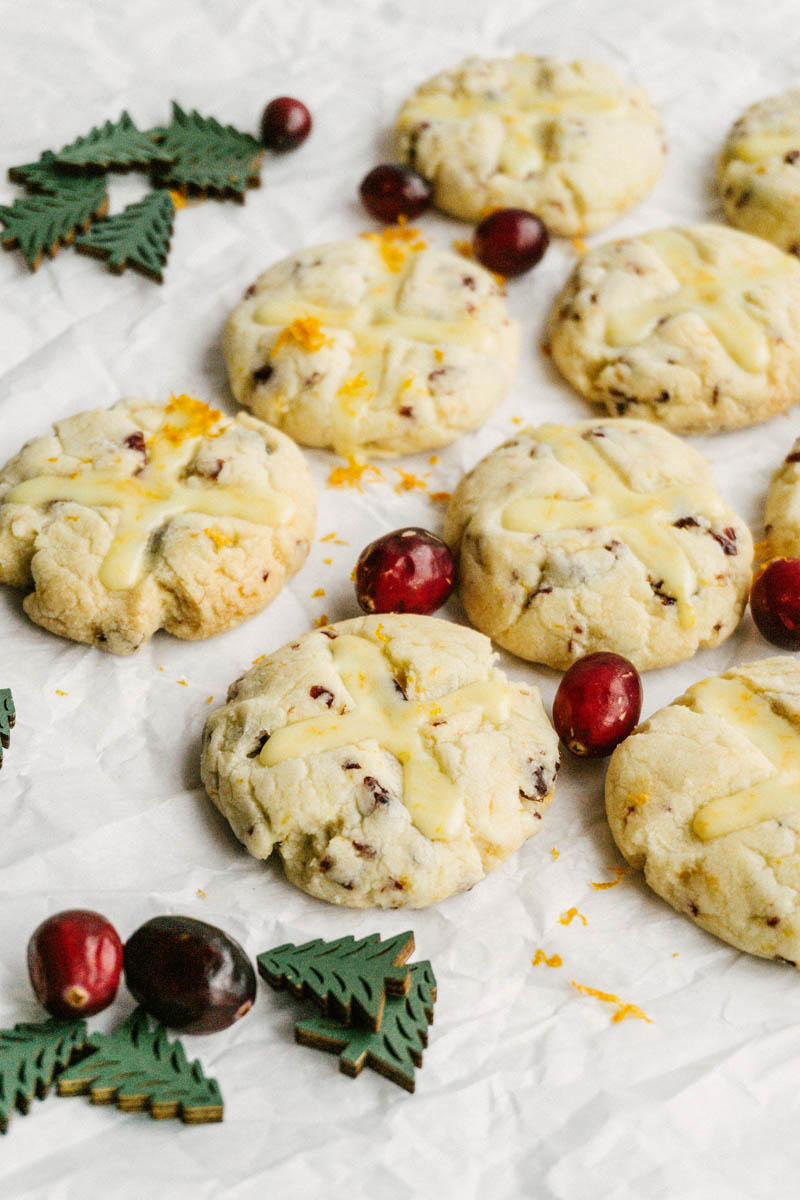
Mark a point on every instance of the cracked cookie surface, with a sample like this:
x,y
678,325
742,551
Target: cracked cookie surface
x,y
569,141
142,516
376,344
387,759
606,535
704,798
759,171
696,328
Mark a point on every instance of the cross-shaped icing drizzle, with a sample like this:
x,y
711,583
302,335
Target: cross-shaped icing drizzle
x,y
775,736
146,501
643,520
720,295
405,728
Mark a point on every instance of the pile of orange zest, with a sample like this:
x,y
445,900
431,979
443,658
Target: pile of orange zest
x,y
619,872
306,331
567,917
555,853
623,1010
554,960
408,481
317,592
322,619
578,245
351,387
395,242
352,474
463,246
442,497
219,539
199,420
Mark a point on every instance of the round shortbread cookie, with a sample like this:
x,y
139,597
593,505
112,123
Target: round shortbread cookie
x,y
567,140
704,797
607,535
142,516
759,171
376,344
696,328
386,758
782,515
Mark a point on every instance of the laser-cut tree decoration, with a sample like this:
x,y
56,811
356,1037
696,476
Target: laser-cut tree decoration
x,y
207,156
8,716
349,980
42,223
138,237
138,1068
396,1050
30,1055
116,144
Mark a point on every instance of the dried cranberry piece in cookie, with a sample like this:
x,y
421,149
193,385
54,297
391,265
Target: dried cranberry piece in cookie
x,y
408,570
775,602
597,704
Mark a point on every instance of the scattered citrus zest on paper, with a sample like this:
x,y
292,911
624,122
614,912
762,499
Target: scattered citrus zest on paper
x,y
182,682
623,1010
408,481
59,693
260,658
516,420
434,458
619,872
200,892
209,700
569,916
441,497
322,619
554,960
306,331
556,854
327,561
352,474
317,592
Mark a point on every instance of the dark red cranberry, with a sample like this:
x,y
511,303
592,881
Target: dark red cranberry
x,y
408,570
189,975
775,602
285,124
597,704
390,191
510,241
74,961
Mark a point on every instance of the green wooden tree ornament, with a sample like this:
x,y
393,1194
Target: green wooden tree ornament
x,y
42,223
138,237
8,716
45,175
397,1049
206,156
349,980
137,1068
118,145
30,1055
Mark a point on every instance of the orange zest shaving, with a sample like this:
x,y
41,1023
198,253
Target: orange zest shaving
x,y
578,245
623,1010
442,497
327,561
556,854
395,242
637,798
219,539
197,420
408,481
569,916
322,619
209,700
178,198
540,957
201,893
182,682
380,633
260,658
619,872
352,474
317,592
463,246
306,331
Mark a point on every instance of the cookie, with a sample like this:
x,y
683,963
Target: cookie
x,y
387,759
782,515
606,535
377,344
142,516
568,140
696,328
704,798
759,171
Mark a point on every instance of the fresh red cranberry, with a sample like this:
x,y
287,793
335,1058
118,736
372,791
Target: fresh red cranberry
x,y
597,704
389,192
74,961
285,123
775,602
510,241
409,570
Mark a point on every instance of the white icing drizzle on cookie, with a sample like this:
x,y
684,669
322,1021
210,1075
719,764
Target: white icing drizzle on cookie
x,y
405,728
371,329
775,736
717,294
146,501
644,521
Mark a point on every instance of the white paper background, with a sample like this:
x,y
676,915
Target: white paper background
x,y
527,1089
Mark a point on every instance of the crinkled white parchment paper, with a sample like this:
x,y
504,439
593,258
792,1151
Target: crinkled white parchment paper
x,y
528,1089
